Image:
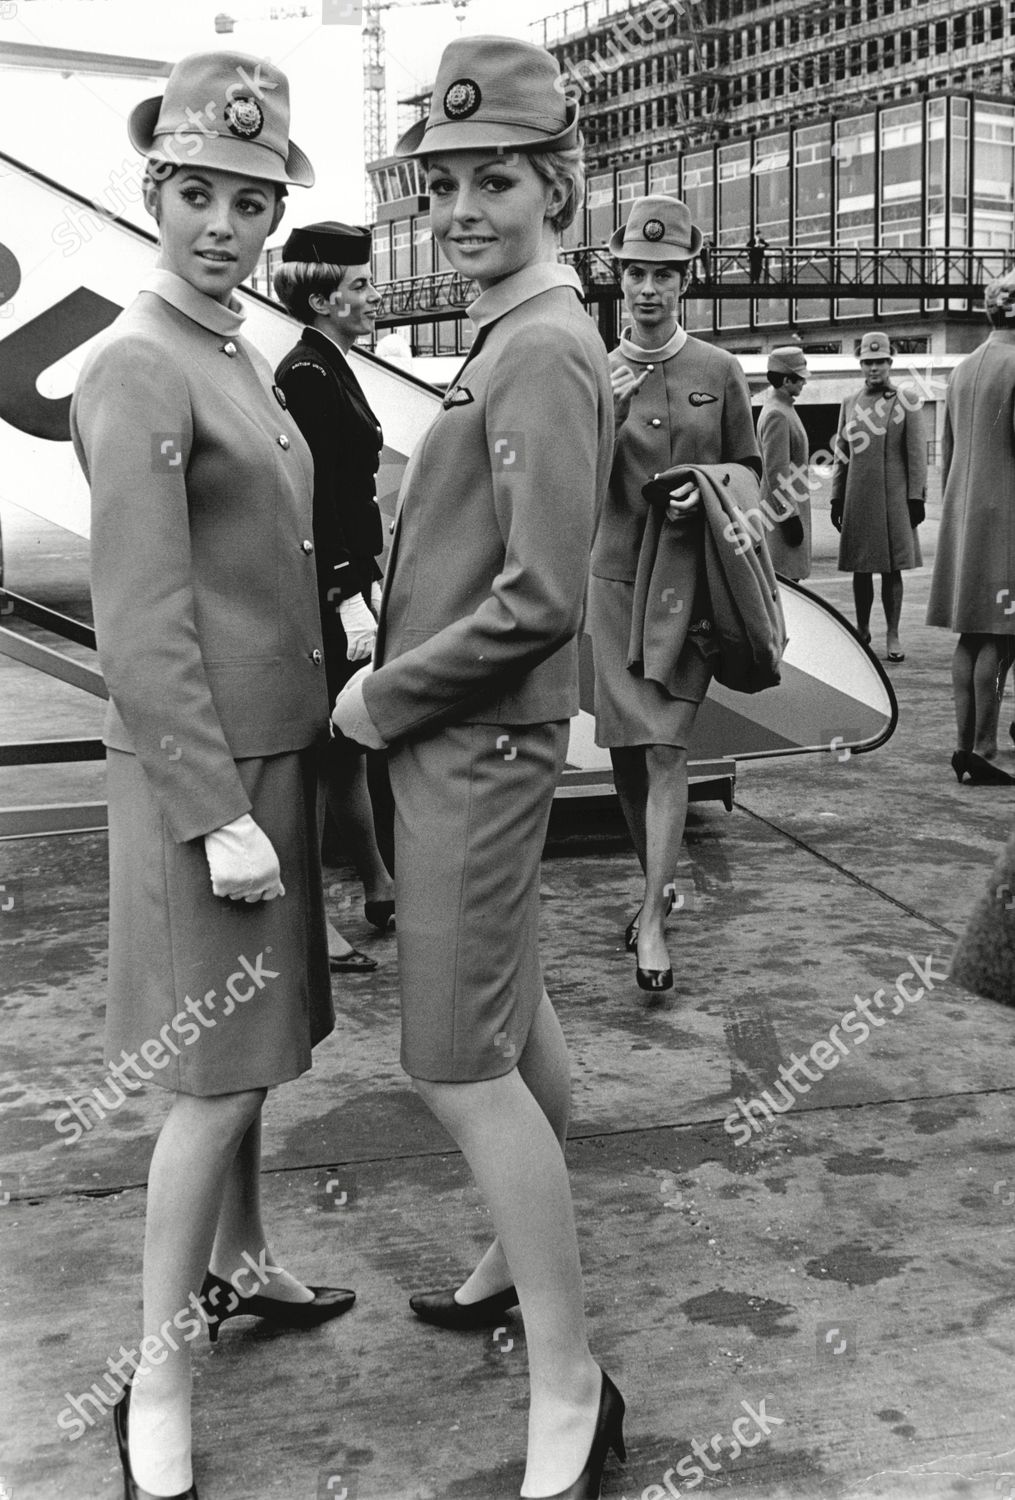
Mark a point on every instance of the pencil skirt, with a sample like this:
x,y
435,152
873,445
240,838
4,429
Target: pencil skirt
x,y
472,806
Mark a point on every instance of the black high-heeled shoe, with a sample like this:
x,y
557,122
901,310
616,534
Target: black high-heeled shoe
x,y
985,773
960,763
131,1489
221,1300
609,1433
441,1309
654,979
631,930
379,913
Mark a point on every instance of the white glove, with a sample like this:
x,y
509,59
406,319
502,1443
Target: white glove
x,y
360,628
242,862
352,716
376,592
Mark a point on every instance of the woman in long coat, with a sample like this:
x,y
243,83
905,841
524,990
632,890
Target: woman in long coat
x,y
209,639
973,588
678,400
879,488
324,279
474,684
784,455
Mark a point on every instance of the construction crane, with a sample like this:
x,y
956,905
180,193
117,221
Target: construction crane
x,y
375,98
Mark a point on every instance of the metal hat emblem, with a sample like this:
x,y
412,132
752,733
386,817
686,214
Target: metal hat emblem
x,y
462,99
244,117
653,229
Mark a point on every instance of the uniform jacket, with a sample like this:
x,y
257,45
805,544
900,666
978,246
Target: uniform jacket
x,y
345,439
748,633
984,960
203,580
486,581
975,560
880,462
694,408
784,456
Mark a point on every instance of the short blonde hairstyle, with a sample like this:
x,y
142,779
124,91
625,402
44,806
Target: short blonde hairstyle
x,y
296,281
565,169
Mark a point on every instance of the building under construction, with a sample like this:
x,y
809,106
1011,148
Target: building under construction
x,y
849,127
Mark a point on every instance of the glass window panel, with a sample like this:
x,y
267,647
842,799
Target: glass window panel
x,y
664,176
601,216
734,194
855,167
401,248
699,190
771,187
812,168
423,254
630,185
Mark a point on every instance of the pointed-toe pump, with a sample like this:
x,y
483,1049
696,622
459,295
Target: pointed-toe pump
x,y
220,1301
960,763
985,773
631,930
441,1309
379,913
654,979
131,1489
609,1433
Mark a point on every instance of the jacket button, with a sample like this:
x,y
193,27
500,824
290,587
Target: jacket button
x,y
283,441
656,422
316,657
726,479
308,547
391,528
229,348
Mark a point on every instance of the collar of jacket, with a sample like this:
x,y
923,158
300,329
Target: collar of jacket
x,y
525,284
324,343
639,356
1001,336
216,316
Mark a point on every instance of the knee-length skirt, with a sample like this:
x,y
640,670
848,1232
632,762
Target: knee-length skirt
x,y
472,805
632,710
216,996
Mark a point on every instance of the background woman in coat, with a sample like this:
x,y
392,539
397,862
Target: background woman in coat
x,y
784,456
474,684
324,279
973,588
879,489
209,639
678,400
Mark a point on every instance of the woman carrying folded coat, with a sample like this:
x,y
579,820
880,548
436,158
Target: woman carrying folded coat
x,y
677,400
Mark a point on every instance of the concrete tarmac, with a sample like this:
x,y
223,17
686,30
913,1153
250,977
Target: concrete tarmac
x,y
837,1282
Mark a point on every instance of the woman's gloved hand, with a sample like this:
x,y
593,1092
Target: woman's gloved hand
x,y
917,513
242,862
360,628
792,529
837,516
376,591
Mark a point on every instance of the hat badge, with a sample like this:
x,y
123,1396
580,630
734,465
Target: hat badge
x,y
462,99
244,117
653,229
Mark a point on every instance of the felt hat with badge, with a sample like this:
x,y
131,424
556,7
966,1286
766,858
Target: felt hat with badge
x,y
659,228
788,359
225,111
494,91
329,244
875,346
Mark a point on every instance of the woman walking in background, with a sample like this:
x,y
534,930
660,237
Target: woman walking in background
x,y
784,456
474,684
324,280
209,640
677,400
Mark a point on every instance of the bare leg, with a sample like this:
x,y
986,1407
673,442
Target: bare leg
x,y
519,1166
863,601
345,784
666,815
193,1156
891,599
546,1071
963,664
240,1239
631,780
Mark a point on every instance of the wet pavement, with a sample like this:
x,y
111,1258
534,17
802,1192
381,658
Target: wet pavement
x,y
836,1281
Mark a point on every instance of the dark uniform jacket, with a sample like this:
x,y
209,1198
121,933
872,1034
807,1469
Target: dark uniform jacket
x,y
345,438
